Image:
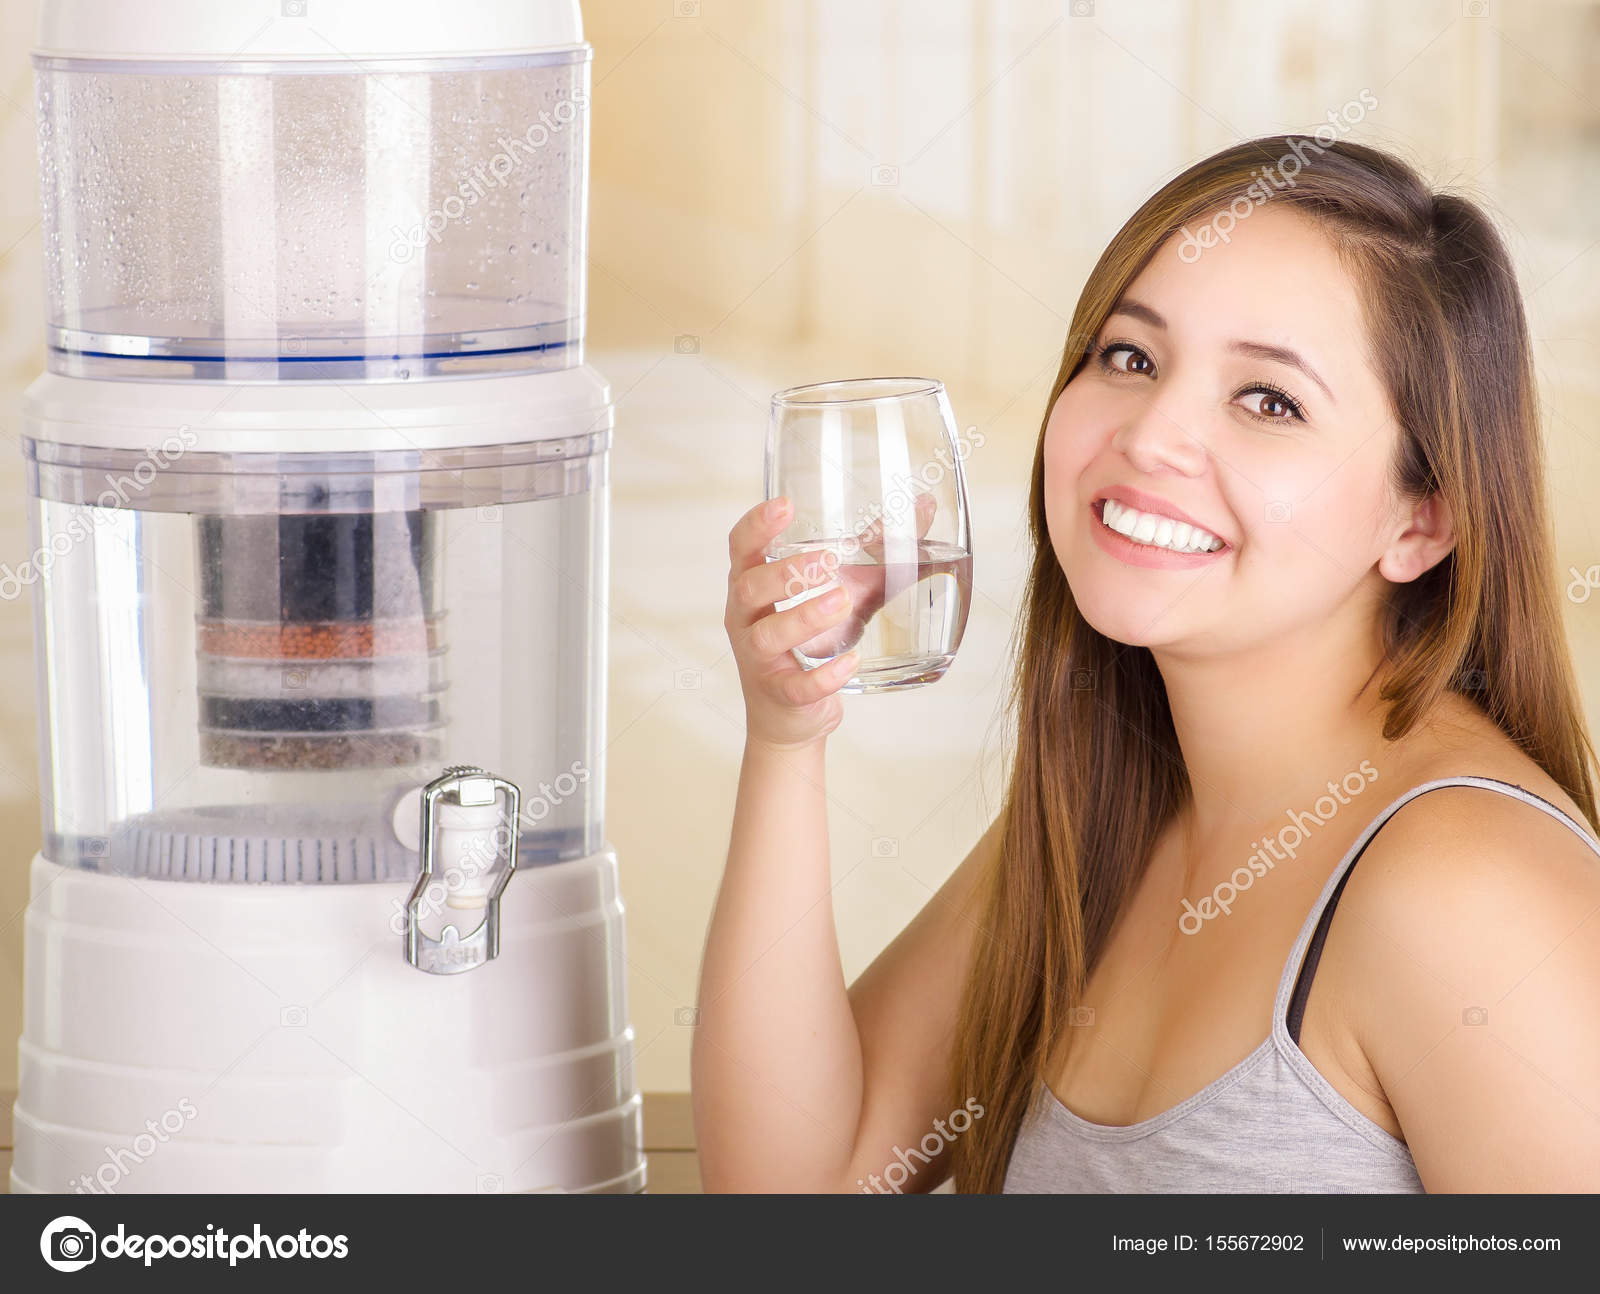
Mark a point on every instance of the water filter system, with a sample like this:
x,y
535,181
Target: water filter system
x,y
318,493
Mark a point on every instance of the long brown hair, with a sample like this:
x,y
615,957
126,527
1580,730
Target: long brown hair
x,y
1097,773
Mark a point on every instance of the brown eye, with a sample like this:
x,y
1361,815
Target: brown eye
x,y
1127,359
1271,405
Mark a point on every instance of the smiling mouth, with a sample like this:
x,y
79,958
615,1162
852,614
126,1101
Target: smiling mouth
x,y
1150,530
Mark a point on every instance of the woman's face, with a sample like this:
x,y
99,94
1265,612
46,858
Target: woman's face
x,y
1233,393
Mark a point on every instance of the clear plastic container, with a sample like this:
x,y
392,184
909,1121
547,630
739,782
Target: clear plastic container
x,y
284,220
247,658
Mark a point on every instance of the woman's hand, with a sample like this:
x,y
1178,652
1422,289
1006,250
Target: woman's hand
x,y
785,705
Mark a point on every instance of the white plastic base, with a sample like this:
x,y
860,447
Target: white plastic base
x,y
265,1039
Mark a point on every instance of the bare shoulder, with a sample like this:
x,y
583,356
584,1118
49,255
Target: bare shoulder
x,y
1462,862
1469,864
1470,967
1459,848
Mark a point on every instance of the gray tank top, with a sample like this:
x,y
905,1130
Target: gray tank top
x,y
1272,1123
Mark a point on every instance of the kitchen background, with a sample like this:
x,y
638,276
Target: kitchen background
x,y
785,192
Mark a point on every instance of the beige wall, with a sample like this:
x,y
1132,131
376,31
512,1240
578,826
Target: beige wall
x,y
790,191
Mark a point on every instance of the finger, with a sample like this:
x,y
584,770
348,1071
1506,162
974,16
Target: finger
x,y
835,638
867,588
783,631
808,686
748,540
752,593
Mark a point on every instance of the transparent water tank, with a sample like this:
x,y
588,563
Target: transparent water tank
x,y
247,657
314,219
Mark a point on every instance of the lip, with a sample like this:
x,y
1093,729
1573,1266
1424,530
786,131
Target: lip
x,y
1142,502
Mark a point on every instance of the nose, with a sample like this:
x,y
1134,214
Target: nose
x,y
1163,432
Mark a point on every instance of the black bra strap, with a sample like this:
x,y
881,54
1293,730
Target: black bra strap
x,y
1308,968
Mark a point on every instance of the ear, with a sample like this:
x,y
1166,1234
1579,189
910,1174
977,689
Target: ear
x,y
1426,540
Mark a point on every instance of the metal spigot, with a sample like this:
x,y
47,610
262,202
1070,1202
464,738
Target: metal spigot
x,y
465,788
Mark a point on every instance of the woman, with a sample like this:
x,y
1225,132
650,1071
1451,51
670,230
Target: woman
x,y
1292,569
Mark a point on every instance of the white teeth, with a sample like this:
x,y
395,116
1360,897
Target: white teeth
x,y
1157,531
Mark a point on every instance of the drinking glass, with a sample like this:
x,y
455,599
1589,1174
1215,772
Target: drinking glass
x,y
873,470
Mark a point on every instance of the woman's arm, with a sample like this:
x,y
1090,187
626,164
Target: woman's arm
x,y
1475,926
905,1007
797,1083
776,1068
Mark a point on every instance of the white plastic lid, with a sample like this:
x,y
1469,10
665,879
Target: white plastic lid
x,y
246,31
300,417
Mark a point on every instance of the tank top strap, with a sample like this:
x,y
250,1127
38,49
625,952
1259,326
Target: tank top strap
x,y
1294,985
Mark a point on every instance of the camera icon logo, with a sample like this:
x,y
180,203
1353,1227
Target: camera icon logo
x,y
687,1015
883,176
68,1244
1080,1015
1475,1015
294,679
1278,513
686,344
96,847
491,1184
292,1017
885,847
687,679
294,8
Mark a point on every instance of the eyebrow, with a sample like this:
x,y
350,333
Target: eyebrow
x,y
1254,349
